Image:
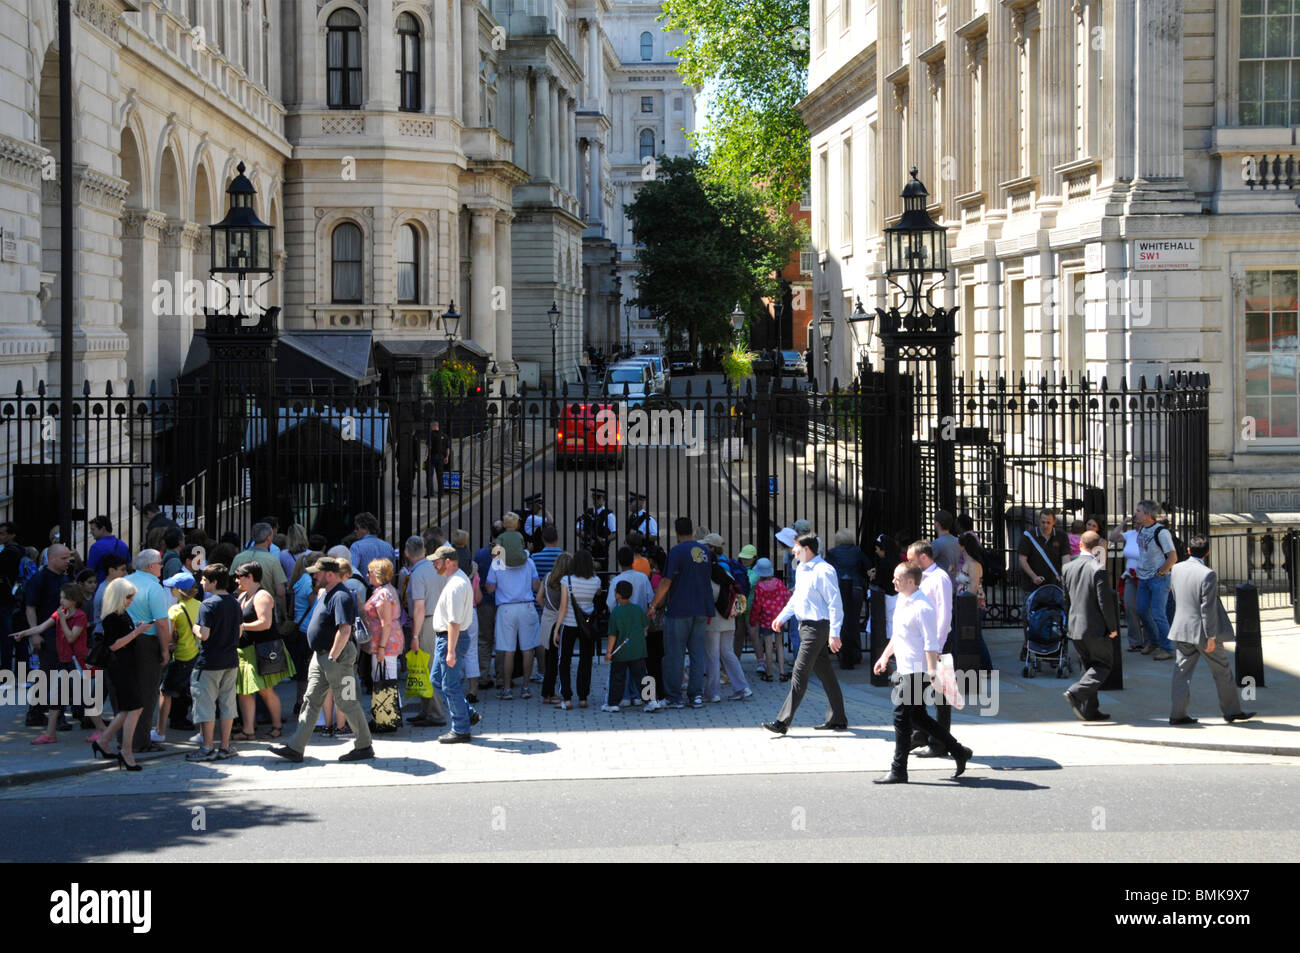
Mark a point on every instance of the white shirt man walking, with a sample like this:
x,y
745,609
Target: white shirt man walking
x,y
936,586
914,644
816,604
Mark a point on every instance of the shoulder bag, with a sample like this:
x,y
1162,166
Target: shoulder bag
x,y
589,623
1034,542
272,656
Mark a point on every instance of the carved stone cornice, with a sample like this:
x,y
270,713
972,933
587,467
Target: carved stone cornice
x,y
20,162
143,223
91,188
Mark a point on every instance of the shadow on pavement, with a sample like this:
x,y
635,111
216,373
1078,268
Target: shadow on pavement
x,y
516,746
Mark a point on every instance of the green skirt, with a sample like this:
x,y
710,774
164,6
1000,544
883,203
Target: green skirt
x,y
249,681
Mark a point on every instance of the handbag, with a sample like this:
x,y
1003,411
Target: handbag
x,y
272,657
418,682
945,679
588,622
385,704
100,655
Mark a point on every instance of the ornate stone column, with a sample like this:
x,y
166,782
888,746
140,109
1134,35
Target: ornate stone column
x,y
505,314
482,277
469,58
543,137
595,210
141,232
519,122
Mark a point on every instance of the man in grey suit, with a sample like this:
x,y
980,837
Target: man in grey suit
x,y
1093,620
1200,627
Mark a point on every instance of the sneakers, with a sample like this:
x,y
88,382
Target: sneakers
x,y
1148,648
537,677
636,701
625,703
474,718
203,754
741,695
698,701
614,709
156,738
344,732
652,706
224,753
668,704
715,699
196,739
1162,656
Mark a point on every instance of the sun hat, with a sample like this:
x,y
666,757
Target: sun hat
x,y
787,537
748,551
763,568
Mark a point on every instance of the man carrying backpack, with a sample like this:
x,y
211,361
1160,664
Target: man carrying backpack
x,y
1158,554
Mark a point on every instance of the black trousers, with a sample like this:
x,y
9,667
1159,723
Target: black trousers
x,y
851,631
814,658
1095,654
910,715
943,717
654,660
148,657
586,647
550,665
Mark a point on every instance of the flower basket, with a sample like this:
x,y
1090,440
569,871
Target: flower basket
x,y
452,378
738,365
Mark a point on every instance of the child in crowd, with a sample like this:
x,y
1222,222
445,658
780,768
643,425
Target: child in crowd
x,y
70,626
510,544
185,650
770,597
1074,535
626,649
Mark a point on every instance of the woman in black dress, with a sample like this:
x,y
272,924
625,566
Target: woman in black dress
x,y
121,667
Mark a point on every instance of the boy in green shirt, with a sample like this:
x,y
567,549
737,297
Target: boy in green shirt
x,y
626,648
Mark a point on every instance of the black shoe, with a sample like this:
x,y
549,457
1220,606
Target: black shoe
x,y
359,754
472,698
1098,716
474,718
289,754
1182,721
932,751
1240,716
831,726
890,778
451,738
775,727
961,756
486,683
1076,706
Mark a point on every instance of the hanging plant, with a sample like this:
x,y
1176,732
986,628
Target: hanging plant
x,y
738,365
452,378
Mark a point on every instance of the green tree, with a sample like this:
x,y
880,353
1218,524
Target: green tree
x,y
752,57
704,244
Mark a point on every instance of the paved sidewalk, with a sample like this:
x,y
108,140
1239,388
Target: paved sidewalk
x,y
1032,728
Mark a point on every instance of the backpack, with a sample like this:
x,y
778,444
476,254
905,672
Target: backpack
x,y
994,570
1180,547
731,601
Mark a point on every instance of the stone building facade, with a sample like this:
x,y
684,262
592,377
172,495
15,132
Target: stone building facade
x,y
1093,161
408,154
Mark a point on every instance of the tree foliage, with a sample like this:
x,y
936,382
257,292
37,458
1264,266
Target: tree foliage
x,y
752,56
704,244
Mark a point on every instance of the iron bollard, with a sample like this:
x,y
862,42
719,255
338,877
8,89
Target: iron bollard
x,y
1250,650
965,641
879,637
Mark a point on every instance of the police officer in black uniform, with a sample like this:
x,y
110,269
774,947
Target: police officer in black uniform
x,y
537,518
640,521
597,528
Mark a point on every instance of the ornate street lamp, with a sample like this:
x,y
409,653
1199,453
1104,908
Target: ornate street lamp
x,y
826,332
737,322
553,316
241,242
915,247
861,318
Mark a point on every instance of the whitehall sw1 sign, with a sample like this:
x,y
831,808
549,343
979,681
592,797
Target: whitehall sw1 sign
x,y
1166,254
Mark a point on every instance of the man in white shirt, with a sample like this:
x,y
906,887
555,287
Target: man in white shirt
x,y
452,617
816,604
914,644
936,586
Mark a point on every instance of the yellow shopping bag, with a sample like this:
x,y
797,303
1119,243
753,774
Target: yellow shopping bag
x,y
418,683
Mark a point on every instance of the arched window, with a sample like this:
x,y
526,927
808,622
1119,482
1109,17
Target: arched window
x,y
647,46
346,264
647,144
408,264
408,37
343,59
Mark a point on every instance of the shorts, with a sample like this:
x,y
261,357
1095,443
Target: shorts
x,y
213,689
517,627
176,678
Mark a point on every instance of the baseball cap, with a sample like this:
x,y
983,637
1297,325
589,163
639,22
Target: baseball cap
x,y
181,580
444,552
326,564
787,537
748,551
802,527
713,539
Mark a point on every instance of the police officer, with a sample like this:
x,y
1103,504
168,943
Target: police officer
x,y
597,527
640,521
537,518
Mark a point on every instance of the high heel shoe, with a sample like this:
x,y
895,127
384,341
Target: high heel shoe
x,y
121,761
98,752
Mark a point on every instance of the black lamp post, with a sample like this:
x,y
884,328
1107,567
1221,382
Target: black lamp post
x,y
737,323
826,331
861,318
450,322
241,242
921,335
554,316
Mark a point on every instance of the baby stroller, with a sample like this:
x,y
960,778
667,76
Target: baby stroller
x,y
1045,635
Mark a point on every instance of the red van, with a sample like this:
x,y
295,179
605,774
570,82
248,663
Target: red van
x,y
583,437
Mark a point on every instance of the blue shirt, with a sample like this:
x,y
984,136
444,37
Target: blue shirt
x,y
514,584
545,560
691,572
151,601
303,596
642,593
482,559
338,608
816,596
101,548
364,550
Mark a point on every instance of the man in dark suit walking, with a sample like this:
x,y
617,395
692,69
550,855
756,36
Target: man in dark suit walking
x,y
1093,620
1200,628
439,457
